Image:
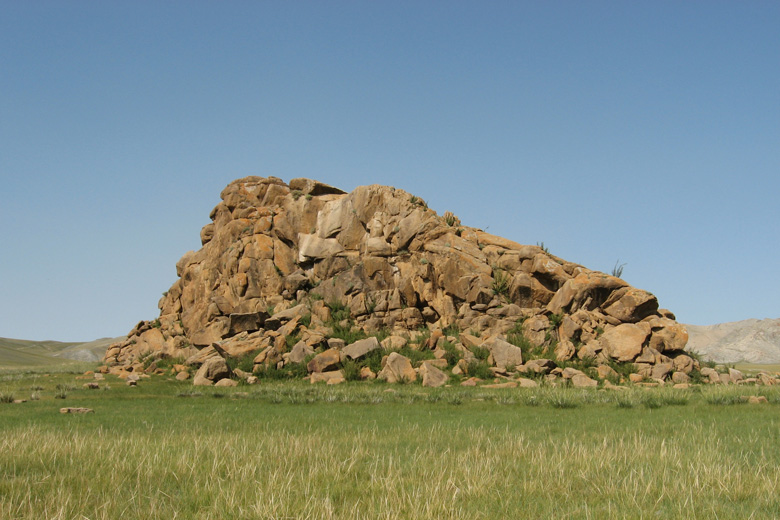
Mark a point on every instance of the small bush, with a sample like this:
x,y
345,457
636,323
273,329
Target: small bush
x,y
452,330
245,362
481,353
416,356
350,370
6,397
373,360
501,283
480,369
338,311
348,333
453,355
617,271
288,371
292,340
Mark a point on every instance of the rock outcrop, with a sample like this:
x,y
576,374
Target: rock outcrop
x,y
287,269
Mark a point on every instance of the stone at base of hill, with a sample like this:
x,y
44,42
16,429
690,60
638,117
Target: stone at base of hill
x,y
212,370
606,371
583,381
432,376
332,377
299,353
527,383
182,376
504,354
680,377
472,381
324,361
508,384
366,373
226,383
735,375
757,399
76,410
397,369
91,386
711,374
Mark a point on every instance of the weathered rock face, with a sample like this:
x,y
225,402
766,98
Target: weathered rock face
x,y
277,253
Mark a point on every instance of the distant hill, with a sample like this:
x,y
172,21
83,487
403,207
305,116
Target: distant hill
x,y
15,353
751,341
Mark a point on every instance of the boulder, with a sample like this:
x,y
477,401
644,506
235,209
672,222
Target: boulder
x,y
324,361
505,355
431,375
624,342
397,369
360,348
211,371
331,377
583,381
299,353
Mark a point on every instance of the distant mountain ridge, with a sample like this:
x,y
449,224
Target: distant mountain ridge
x,y
27,353
751,341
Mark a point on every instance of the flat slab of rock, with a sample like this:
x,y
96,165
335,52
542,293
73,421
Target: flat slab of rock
x,y
360,348
332,377
76,410
508,384
524,382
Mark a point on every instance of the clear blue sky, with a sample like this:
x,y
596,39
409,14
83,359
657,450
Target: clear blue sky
x,y
645,132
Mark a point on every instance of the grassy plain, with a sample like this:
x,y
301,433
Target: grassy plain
x,y
20,353
292,450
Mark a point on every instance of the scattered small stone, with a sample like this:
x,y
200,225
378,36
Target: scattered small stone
x,y
91,386
508,384
76,410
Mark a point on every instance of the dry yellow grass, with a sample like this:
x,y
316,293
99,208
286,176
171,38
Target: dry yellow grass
x,y
153,455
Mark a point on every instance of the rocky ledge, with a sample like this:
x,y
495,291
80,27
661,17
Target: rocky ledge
x,y
303,279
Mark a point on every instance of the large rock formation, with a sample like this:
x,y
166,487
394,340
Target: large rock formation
x,y
298,259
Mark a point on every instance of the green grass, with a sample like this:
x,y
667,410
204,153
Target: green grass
x,y
294,450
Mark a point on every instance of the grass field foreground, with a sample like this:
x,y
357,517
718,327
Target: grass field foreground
x,y
293,450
